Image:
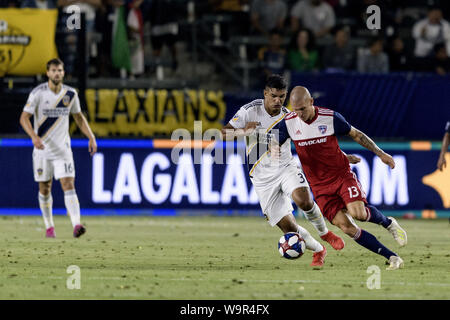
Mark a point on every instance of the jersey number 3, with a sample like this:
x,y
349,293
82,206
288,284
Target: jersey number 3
x,y
302,179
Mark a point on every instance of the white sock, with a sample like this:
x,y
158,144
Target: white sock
x,y
311,243
46,205
72,206
315,217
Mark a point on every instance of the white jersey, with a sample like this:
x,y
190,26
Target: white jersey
x,y
260,166
51,118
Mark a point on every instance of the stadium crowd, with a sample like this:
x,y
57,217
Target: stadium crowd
x,y
300,35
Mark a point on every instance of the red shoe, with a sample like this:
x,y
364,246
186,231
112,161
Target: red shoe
x,y
335,241
319,258
50,232
78,230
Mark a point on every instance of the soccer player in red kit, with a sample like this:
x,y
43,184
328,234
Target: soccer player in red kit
x,y
336,189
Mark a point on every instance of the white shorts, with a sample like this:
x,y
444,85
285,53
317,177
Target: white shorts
x,y
45,170
275,196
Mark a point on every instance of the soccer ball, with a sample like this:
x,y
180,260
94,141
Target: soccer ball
x,y
291,245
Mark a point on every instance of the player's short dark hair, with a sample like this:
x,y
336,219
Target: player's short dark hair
x,y
276,81
55,62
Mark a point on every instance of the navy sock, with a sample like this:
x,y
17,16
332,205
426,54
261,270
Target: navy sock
x,y
375,216
367,240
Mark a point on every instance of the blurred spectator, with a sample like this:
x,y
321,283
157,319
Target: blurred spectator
x,y
373,59
303,55
333,3
238,10
341,55
273,57
135,25
164,28
267,15
88,7
105,24
429,32
228,5
399,59
440,63
40,4
9,4
315,15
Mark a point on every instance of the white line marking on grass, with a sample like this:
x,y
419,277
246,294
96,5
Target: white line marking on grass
x,y
313,281
431,284
254,280
365,295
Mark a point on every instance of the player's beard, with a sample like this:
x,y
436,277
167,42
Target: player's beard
x,y
56,82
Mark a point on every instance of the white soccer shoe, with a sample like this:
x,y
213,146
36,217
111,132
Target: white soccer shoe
x,y
397,232
395,262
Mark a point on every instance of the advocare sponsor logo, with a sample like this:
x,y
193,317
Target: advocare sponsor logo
x,y
311,142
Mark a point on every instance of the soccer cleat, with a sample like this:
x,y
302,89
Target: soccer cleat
x,y
78,230
335,241
397,232
319,258
395,262
50,233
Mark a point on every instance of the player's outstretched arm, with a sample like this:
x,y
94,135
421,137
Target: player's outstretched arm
x,y
368,143
229,132
441,164
84,127
28,128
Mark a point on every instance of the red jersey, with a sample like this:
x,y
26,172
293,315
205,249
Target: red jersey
x,y
316,143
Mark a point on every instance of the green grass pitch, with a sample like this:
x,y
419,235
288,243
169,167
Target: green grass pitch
x,y
210,258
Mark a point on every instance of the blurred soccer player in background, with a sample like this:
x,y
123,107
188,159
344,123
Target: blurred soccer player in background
x,y
51,103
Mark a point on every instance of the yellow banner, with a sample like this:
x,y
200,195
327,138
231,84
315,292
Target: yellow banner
x,y
152,112
27,40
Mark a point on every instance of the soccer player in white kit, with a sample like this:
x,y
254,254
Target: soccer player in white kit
x,y
276,183
51,103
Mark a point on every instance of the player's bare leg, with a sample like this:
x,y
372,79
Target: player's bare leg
x,y
72,205
311,210
370,213
289,224
344,220
46,206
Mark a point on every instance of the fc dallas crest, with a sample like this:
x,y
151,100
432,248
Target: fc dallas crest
x,y
323,129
